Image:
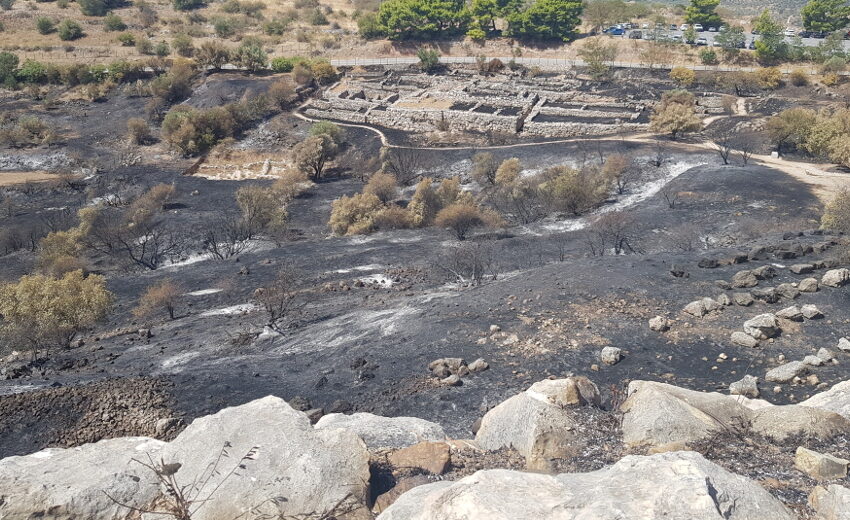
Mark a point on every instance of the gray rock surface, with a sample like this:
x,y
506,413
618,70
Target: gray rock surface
x,y
746,386
539,423
763,326
787,372
808,285
313,469
781,422
72,483
744,340
611,355
836,399
831,503
384,432
820,466
676,485
836,277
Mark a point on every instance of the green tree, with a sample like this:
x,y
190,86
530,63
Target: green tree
x,y
546,20
599,14
675,115
703,12
368,26
731,40
251,56
690,34
825,15
422,19
771,46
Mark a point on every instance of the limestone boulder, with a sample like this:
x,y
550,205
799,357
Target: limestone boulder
x,y
746,386
844,345
293,470
744,299
836,277
384,432
831,503
781,422
675,485
763,326
820,466
744,279
659,324
658,414
792,313
73,483
787,372
808,285
742,339
540,423
836,399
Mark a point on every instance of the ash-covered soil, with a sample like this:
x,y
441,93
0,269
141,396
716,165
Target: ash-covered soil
x,y
379,308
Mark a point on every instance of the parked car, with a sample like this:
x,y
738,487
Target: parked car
x,y
712,29
674,27
819,35
635,35
790,33
752,45
698,27
616,31
676,38
805,34
722,28
644,26
684,27
701,41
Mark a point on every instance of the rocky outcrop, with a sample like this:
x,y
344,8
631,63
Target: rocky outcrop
x,y
384,432
785,373
680,485
66,484
820,466
539,423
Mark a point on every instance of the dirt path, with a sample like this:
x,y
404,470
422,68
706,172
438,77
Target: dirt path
x,y
11,178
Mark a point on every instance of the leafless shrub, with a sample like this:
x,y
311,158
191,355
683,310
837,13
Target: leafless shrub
x,y
226,238
182,501
405,164
686,238
280,298
615,232
745,144
670,194
723,145
469,263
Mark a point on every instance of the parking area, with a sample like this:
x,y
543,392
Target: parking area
x,y
705,36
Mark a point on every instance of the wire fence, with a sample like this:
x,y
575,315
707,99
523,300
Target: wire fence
x,y
562,64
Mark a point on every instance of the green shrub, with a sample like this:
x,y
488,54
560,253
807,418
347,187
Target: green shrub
x,y
69,30
708,57
369,27
97,7
32,71
251,56
182,44
276,27
162,49
429,59
6,5
186,5
281,64
45,25
127,39
317,17
225,27
144,45
113,22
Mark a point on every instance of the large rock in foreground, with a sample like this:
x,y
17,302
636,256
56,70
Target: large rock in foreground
x,y
658,413
296,470
73,483
675,485
831,503
385,432
540,423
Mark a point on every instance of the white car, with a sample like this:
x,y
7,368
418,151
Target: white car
x,y
644,26
790,33
698,27
683,27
